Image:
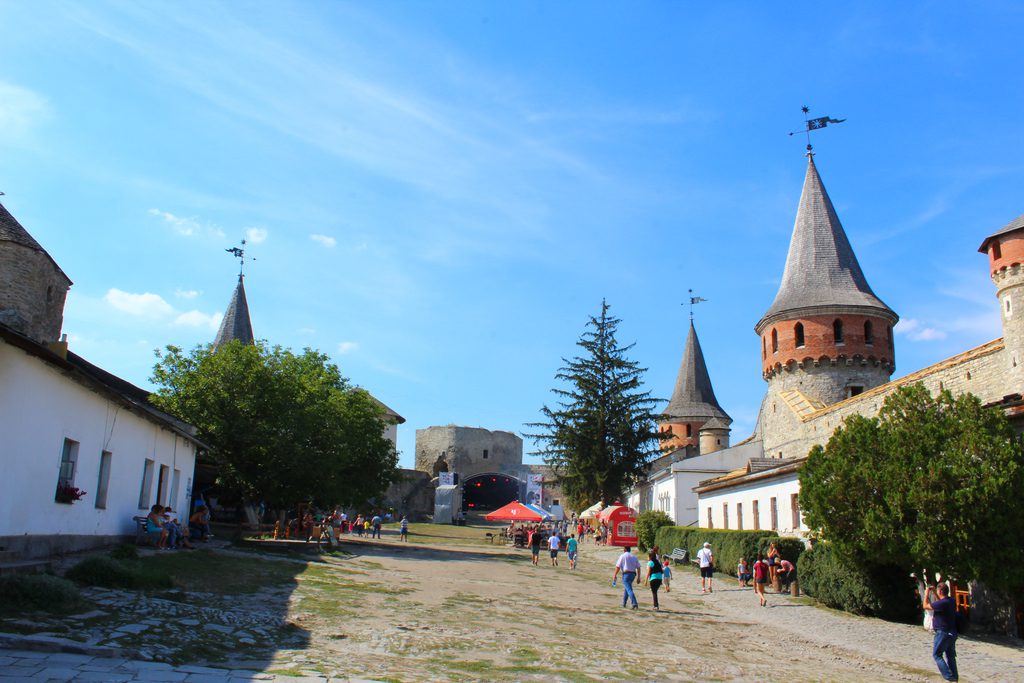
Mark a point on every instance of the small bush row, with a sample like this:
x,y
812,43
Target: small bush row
x,y
39,591
727,547
108,572
858,587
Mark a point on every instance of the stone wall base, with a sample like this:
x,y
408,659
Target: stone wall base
x,y
43,546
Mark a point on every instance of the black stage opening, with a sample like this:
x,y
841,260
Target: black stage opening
x,y
486,492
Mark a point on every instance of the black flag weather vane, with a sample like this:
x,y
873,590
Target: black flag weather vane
x,y
694,300
239,253
814,124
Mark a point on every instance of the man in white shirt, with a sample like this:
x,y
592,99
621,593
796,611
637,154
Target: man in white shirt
x,y
706,562
554,543
629,565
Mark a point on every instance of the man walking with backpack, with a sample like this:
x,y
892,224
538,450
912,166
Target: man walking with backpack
x,y
944,624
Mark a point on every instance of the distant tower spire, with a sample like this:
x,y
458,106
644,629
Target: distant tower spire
x,y
236,323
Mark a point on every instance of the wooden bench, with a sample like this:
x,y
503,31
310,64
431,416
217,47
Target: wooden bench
x,y
680,555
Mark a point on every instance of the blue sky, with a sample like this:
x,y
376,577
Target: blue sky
x,y
438,194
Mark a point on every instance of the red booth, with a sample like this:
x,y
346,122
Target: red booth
x,y
621,521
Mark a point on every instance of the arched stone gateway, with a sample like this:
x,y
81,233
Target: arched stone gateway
x,y
489,491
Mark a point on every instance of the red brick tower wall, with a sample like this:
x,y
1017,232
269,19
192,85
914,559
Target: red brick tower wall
x,y
819,341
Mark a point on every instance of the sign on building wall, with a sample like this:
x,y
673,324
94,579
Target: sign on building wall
x,y
446,479
535,489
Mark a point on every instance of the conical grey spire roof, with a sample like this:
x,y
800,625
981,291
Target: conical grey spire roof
x,y
236,324
822,275
693,397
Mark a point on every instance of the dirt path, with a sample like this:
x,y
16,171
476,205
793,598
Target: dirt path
x,y
417,613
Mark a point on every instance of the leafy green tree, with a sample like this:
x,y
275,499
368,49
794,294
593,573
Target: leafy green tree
x,y
647,525
282,427
932,482
601,436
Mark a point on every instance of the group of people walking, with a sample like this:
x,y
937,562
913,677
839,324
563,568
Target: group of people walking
x,y
538,537
657,572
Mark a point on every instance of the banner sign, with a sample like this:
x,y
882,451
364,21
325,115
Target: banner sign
x,y
535,489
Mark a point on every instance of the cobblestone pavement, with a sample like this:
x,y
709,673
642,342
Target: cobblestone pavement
x,y
60,667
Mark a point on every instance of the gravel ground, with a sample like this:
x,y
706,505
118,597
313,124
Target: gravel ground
x,y
452,610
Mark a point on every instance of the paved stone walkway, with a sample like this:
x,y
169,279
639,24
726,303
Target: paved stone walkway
x,y
60,667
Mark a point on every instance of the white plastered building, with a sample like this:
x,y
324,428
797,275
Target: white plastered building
x,y
66,424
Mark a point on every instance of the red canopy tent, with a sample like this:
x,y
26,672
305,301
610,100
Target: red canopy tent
x,y
514,512
621,521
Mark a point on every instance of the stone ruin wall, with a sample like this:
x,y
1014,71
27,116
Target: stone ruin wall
x,y
462,450
982,371
27,275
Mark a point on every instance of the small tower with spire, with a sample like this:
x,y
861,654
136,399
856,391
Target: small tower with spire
x,y
693,417
32,286
826,335
236,324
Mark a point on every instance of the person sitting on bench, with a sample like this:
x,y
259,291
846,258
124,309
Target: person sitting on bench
x,y
199,523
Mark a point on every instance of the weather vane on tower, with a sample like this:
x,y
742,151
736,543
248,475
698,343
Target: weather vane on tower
x,y
693,301
814,124
239,253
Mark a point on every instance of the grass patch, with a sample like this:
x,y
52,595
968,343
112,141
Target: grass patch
x,y
209,572
450,534
107,572
39,591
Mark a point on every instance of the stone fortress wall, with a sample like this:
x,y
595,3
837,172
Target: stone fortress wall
x,y
468,451
981,371
32,299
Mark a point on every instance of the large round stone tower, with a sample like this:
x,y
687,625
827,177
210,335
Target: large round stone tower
x,y
826,337
1005,251
32,286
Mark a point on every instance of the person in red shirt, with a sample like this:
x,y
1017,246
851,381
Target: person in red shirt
x,y
760,578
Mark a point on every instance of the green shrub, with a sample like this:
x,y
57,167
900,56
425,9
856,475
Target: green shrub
x,y
727,546
126,551
39,591
110,573
647,525
858,587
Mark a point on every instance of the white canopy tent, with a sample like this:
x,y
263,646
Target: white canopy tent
x,y
591,512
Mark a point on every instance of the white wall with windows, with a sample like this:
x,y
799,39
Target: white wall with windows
x,y
768,504
58,432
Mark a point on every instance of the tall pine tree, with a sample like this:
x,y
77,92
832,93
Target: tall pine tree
x,y
602,434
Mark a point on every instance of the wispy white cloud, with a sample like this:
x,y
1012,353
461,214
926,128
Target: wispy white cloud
x,y
355,109
915,331
199,319
21,110
187,227
325,240
256,235
186,293
147,304
347,347
154,307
